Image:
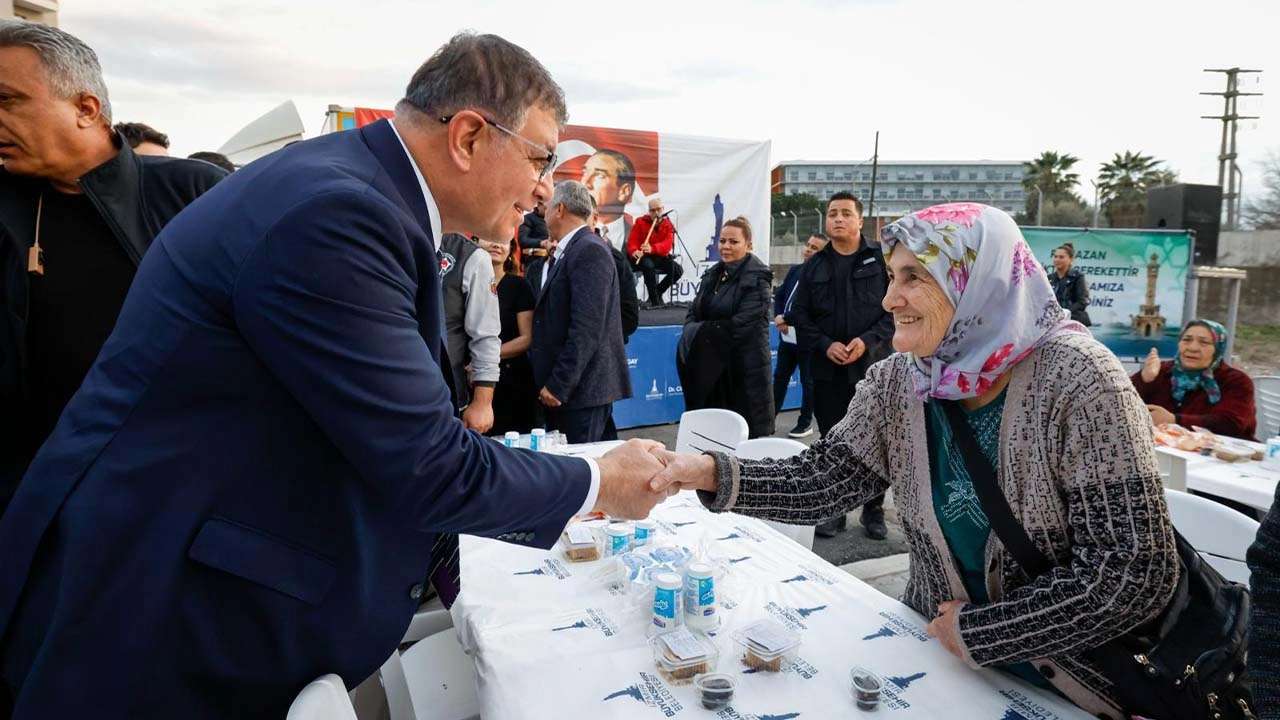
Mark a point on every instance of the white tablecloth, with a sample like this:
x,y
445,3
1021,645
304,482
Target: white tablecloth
x,y
550,639
1249,482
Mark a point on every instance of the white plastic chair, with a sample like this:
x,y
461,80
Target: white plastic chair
x,y
711,429
1266,392
433,679
778,448
324,698
1221,535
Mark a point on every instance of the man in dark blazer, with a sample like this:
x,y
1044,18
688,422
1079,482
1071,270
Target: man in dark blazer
x,y
578,356
246,491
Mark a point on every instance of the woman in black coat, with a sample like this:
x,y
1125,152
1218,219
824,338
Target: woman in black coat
x,y
723,359
1070,285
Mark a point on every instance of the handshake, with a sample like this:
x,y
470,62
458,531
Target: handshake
x,y
642,473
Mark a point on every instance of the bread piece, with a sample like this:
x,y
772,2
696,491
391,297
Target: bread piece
x,y
751,660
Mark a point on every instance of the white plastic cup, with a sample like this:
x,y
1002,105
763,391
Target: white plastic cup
x,y
644,532
700,607
537,439
511,439
618,537
666,603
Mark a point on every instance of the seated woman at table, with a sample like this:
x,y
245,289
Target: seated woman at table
x,y
1198,387
723,358
977,327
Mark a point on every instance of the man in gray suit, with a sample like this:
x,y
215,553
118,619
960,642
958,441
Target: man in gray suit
x,y
578,357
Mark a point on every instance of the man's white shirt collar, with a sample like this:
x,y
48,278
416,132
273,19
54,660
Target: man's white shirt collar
x,y
433,212
564,241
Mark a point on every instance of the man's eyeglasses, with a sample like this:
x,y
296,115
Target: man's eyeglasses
x,y
547,162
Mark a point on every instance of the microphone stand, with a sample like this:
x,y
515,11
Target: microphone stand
x,y
679,238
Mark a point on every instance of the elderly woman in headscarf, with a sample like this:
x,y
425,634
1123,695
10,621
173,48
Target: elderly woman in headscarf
x,y
1198,388
978,329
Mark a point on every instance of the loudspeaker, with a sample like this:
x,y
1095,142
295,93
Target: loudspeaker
x,y
1188,207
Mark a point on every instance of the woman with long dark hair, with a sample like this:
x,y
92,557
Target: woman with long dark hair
x,y
513,397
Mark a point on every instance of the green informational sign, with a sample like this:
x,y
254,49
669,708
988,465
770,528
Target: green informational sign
x,y
1137,283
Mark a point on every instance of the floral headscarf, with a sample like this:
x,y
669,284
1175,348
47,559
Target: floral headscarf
x,y
1184,381
1004,305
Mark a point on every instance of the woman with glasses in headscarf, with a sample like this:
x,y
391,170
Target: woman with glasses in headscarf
x,y
1198,388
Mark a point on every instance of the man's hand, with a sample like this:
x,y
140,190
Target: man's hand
x,y
625,474
856,348
683,471
637,255
1160,416
478,415
781,323
838,353
946,629
546,398
1151,366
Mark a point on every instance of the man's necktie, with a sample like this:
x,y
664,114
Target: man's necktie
x,y
445,570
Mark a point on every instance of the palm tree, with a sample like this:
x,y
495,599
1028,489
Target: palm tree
x,y
1123,185
1051,174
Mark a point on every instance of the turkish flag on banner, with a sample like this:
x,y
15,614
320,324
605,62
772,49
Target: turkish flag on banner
x,y
364,116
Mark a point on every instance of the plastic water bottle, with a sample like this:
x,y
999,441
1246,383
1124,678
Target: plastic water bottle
x,y
666,603
700,611
511,439
536,439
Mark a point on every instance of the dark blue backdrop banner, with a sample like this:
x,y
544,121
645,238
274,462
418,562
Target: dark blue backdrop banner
x,y
658,399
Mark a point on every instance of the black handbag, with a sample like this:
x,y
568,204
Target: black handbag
x,y
1186,664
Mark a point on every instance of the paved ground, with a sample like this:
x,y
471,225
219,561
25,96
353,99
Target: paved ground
x,y
852,549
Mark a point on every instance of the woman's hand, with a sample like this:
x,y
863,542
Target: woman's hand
x,y
1151,366
685,470
1160,416
946,628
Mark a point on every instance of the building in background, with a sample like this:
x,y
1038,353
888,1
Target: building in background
x,y
41,11
906,186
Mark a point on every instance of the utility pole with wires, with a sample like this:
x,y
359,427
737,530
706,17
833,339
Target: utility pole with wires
x,y
1227,169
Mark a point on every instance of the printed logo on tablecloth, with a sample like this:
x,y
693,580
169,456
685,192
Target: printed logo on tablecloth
x,y
735,561
793,618
811,574
895,688
652,692
740,532
731,714
596,619
1024,708
551,568
684,524
897,625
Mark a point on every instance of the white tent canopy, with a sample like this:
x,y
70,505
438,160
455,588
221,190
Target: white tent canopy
x,y
277,128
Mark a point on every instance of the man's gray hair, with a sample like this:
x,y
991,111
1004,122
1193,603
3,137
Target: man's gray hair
x,y
72,66
575,198
488,74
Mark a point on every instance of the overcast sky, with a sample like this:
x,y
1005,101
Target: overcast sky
x,y
941,80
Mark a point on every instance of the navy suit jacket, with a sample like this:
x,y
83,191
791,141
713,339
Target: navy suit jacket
x,y
578,353
244,493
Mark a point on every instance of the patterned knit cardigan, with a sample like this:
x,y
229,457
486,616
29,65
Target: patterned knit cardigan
x,y
1264,620
1078,465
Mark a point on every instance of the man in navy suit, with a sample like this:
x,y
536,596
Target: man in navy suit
x,y
578,356
246,490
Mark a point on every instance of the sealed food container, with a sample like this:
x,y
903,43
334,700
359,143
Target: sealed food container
x,y
617,539
511,439
767,645
700,607
666,602
715,690
866,687
537,439
680,655
644,531
580,544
